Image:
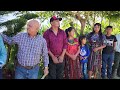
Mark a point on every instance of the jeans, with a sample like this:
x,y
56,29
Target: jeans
x,y
84,70
107,59
1,74
116,64
23,73
56,71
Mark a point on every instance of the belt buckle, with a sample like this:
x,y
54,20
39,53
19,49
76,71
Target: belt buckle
x,y
28,67
31,67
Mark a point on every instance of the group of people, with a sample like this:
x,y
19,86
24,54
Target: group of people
x,y
64,56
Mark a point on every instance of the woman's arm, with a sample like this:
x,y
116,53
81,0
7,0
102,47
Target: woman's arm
x,y
68,54
101,47
78,51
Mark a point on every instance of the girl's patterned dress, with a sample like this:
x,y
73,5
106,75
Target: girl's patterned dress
x,y
72,67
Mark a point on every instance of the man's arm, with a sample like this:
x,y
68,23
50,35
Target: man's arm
x,y
45,57
61,57
45,35
115,41
3,53
63,53
11,40
45,54
64,44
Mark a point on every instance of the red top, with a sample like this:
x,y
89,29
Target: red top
x,y
73,48
56,43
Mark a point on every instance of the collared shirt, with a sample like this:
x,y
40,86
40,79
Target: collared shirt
x,y
117,48
56,43
29,49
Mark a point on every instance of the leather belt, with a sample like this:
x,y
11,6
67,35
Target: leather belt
x,y
27,67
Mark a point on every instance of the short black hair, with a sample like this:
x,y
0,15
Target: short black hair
x,y
81,37
109,27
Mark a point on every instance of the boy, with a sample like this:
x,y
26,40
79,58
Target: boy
x,y
108,53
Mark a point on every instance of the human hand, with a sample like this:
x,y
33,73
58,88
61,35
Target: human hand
x,y
85,57
55,59
81,58
95,49
73,57
46,71
60,59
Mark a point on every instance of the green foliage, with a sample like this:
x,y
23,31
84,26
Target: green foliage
x,y
28,16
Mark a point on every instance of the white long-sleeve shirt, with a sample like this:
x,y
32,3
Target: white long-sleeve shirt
x,y
117,48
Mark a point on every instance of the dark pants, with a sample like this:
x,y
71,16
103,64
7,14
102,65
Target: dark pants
x,y
0,73
56,71
107,59
116,64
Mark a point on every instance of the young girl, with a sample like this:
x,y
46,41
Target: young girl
x,y
96,40
72,65
84,54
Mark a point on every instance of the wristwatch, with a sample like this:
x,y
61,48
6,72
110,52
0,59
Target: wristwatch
x,y
46,67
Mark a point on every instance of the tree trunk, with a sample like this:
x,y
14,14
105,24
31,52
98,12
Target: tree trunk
x,y
101,18
94,18
83,22
8,52
109,22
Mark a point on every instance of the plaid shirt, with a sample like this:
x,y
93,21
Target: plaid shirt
x,y
29,49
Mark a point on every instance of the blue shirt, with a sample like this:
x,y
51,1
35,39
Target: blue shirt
x,y
84,52
3,53
30,49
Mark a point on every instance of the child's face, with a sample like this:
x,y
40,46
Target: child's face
x,y
109,30
84,41
71,33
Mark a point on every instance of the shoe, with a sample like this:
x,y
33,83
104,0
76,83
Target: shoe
x,y
103,77
114,73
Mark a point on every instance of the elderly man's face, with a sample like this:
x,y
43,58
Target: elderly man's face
x,y
33,27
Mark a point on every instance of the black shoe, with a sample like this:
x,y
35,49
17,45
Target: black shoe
x,y
103,77
118,75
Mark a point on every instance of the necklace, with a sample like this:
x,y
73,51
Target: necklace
x,y
71,41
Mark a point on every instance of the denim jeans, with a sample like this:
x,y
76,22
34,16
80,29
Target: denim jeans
x,y
107,59
0,73
23,73
84,70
